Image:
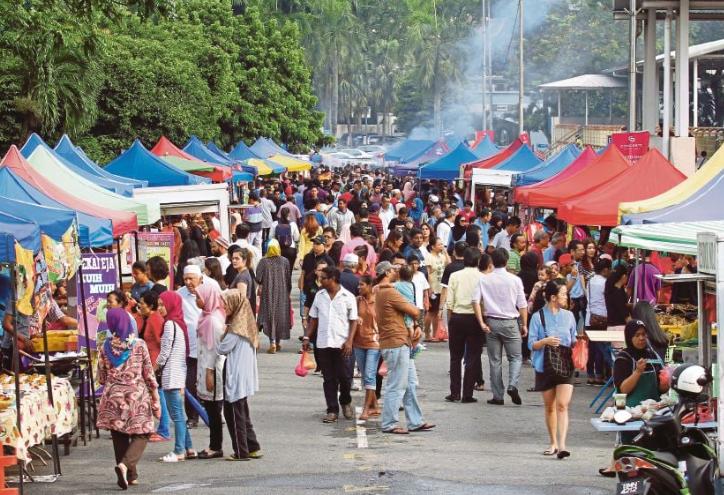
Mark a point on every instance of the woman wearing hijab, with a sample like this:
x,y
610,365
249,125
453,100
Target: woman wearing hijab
x,y
644,311
130,398
210,370
416,211
529,275
407,191
238,344
275,308
172,359
639,373
458,232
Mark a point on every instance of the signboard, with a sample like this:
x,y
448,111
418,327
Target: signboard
x,y
100,276
633,145
152,244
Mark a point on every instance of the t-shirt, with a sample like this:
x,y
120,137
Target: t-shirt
x,y
388,306
420,282
137,290
396,222
254,217
311,259
514,261
435,269
644,277
368,230
246,278
366,336
453,267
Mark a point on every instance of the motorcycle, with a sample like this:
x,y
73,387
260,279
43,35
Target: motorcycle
x,y
666,458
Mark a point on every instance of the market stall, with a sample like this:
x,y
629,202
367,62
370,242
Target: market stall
x,y
552,166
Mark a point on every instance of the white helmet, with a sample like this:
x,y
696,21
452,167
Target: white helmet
x,y
689,379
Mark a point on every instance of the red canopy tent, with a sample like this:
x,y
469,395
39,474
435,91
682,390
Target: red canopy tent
x,y
165,147
650,176
123,222
607,166
587,157
494,160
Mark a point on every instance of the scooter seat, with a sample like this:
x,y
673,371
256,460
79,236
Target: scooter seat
x,y
666,457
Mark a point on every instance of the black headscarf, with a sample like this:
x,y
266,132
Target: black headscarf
x,y
529,271
458,231
629,331
630,355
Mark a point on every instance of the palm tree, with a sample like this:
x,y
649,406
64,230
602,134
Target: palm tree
x,y
386,61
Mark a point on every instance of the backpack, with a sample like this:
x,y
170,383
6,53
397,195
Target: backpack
x,y
283,234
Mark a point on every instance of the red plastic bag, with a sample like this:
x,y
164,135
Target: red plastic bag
x,y
308,361
383,369
441,331
580,354
300,370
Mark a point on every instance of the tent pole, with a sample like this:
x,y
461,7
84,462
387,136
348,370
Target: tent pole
x,y
120,270
91,378
636,286
619,250
16,370
49,382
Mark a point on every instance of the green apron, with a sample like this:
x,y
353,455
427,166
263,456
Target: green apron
x,y
646,388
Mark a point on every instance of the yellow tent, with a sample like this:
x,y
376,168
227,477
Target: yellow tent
x,y
261,167
682,191
292,164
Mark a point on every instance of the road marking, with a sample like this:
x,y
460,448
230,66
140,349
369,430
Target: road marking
x,y
361,430
177,487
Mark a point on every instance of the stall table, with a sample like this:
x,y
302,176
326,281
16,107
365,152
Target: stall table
x,y
609,427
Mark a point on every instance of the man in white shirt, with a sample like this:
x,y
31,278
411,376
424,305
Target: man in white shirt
x,y
333,317
387,213
267,219
192,279
502,238
444,228
502,296
340,216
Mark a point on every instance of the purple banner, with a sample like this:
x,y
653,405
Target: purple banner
x,y
100,276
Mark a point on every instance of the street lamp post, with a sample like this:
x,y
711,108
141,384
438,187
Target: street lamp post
x,y
520,67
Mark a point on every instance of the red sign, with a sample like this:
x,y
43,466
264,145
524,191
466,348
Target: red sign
x,y
633,145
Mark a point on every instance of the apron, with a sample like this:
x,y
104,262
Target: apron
x,y
646,388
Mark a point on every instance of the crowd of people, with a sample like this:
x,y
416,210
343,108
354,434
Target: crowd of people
x,y
384,267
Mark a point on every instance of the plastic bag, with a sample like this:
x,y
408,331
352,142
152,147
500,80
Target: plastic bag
x,y
383,369
308,361
441,331
580,354
300,370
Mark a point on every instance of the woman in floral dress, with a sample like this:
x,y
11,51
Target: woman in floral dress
x,y
130,398
275,307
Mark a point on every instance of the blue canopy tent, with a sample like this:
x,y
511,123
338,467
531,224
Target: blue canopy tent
x,y
122,188
266,148
523,160
548,168
410,165
703,206
279,149
66,149
53,222
139,163
197,149
92,231
485,149
242,152
14,229
447,167
406,149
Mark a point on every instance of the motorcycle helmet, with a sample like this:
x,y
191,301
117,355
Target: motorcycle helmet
x,y
689,380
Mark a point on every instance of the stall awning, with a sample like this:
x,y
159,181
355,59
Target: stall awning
x,y
583,161
292,164
553,165
448,166
668,237
12,229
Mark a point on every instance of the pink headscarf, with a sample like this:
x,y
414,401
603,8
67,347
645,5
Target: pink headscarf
x,y
407,191
213,308
175,313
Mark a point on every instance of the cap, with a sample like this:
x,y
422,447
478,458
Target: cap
x,y
350,258
606,256
222,242
374,207
433,198
565,259
192,270
319,240
384,266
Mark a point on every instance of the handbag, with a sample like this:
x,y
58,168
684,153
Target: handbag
x,y
557,361
598,321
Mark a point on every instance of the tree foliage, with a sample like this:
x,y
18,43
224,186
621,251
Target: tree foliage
x,y
109,72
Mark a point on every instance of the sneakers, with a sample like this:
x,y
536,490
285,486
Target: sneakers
x,y
416,351
347,411
330,418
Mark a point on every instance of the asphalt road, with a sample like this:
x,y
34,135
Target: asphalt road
x,y
475,449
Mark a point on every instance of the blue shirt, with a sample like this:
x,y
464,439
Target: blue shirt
x,y
484,227
321,219
577,289
299,201
549,254
561,325
417,252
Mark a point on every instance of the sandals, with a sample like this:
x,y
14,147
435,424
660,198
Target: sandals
x,y
233,457
550,452
122,480
192,456
256,454
563,454
171,457
397,431
606,473
211,455
424,427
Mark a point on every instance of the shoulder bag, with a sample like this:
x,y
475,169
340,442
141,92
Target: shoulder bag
x,y
159,372
557,361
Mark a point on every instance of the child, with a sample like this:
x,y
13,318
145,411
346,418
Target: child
x,y
544,275
141,282
407,288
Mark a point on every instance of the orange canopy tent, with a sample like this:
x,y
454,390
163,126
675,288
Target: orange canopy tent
x,y
165,147
607,166
494,160
123,222
587,157
650,176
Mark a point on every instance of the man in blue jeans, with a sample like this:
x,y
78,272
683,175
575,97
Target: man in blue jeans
x,y
396,344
